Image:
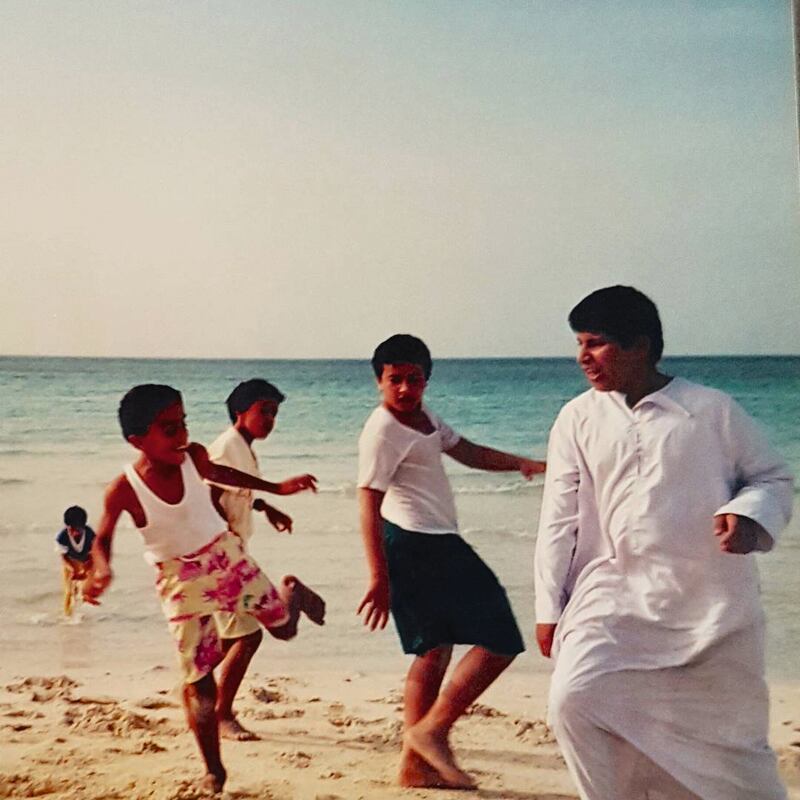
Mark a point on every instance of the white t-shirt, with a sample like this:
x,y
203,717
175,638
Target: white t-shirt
x,y
407,466
231,450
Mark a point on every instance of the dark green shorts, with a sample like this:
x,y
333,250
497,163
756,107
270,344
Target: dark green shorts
x,y
442,593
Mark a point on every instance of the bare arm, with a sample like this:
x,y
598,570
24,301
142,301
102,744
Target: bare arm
x,y
375,602
479,457
280,521
114,504
228,476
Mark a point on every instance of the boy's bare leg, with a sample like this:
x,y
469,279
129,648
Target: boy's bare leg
x,y
69,590
298,599
422,686
473,674
199,700
232,669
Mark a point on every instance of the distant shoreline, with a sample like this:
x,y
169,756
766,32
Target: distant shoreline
x,y
364,359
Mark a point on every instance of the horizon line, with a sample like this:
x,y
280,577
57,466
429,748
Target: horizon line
x,y
366,359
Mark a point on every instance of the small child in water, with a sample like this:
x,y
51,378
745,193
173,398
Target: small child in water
x,y
74,545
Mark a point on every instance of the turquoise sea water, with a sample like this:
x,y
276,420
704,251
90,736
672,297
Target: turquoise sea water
x,y
60,444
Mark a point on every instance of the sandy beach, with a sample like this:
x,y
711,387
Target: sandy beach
x,y
323,736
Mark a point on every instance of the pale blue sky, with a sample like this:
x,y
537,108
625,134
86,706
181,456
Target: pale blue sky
x,y
259,179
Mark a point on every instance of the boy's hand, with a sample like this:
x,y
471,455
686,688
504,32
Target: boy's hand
x,y
528,467
298,484
376,604
96,584
280,521
545,633
737,535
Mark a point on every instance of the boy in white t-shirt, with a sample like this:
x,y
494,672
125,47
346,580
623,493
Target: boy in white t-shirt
x,y
252,407
439,591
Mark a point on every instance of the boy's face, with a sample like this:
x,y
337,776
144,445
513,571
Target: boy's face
x,y
166,438
402,386
608,366
259,419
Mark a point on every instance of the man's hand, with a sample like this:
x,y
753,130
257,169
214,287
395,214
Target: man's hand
x,y
280,521
737,535
545,632
298,484
376,604
528,467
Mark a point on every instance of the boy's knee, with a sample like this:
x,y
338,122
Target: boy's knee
x,y
567,703
252,641
201,690
285,632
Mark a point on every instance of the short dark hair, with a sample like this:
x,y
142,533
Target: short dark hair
x,y
402,348
248,392
75,517
142,404
623,314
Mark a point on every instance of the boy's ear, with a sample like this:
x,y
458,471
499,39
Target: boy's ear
x,y
135,440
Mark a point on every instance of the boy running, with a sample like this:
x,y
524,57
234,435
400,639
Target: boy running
x,y
439,591
202,567
252,406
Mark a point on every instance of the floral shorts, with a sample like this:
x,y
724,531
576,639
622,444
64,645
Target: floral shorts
x,y
220,577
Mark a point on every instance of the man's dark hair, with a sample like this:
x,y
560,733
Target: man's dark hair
x,y
248,392
402,348
621,313
142,404
75,517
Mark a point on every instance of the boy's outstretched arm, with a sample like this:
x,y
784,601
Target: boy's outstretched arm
x,y
479,457
280,521
375,602
101,575
228,476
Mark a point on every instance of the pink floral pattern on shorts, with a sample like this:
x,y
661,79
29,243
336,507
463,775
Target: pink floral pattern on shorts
x,y
222,577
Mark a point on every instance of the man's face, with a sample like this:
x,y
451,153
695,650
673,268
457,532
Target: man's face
x,y
608,366
259,419
402,386
166,438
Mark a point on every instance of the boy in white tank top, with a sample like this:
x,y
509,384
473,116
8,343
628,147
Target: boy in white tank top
x,y
202,567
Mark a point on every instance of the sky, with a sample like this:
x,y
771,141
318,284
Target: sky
x,y
255,179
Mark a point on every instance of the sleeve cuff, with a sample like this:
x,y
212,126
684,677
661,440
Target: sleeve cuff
x,y
548,612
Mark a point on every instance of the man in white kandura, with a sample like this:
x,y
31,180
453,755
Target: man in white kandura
x,y
657,494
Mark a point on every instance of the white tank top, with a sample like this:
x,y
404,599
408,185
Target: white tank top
x,y
174,530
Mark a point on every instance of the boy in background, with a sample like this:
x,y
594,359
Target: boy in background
x,y
74,545
252,407
201,566
439,591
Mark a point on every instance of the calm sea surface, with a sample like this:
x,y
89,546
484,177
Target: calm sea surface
x,y
60,444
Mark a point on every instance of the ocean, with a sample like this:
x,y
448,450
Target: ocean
x,y
60,445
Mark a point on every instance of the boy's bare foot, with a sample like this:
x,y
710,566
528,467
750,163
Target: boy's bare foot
x,y
307,600
435,750
230,728
417,773
212,784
